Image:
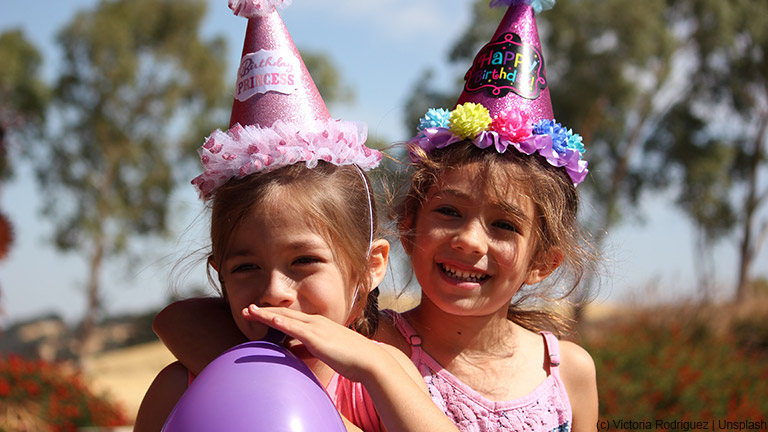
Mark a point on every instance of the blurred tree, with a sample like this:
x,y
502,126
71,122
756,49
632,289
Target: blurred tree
x,y
327,78
613,70
136,85
717,136
23,98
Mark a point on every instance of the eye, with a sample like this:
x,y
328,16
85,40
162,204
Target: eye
x,y
447,211
306,260
241,268
506,226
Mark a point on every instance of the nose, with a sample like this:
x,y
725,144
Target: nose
x,y
278,291
471,238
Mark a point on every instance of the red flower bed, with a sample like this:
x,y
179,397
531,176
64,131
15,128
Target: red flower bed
x,y
51,396
668,373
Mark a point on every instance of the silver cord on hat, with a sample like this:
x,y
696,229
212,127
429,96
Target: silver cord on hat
x,y
370,209
370,238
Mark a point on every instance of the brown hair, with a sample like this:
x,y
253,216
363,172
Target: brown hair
x,y
337,203
555,201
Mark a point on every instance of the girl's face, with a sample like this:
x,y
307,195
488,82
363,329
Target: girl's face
x,y
275,258
469,253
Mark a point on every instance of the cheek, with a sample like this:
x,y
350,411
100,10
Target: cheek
x,y
239,296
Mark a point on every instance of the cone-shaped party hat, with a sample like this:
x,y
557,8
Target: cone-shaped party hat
x,y
511,63
273,83
505,102
278,116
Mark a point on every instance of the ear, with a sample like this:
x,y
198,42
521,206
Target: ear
x,y
546,262
212,263
377,261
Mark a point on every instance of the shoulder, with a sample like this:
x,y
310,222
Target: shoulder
x,y
577,366
388,333
404,363
577,370
162,395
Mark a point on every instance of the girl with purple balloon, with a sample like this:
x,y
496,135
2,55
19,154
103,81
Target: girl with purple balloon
x,y
293,230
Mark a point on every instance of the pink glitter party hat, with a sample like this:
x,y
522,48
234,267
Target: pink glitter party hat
x,y
508,73
278,116
505,102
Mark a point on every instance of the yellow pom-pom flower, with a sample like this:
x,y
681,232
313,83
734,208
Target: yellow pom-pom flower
x,y
469,119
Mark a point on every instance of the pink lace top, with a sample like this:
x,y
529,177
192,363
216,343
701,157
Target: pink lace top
x,y
547,408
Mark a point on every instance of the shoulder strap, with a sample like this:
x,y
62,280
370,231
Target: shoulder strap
x,y
408,332
553,351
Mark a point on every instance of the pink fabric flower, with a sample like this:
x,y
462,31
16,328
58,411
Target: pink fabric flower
x,y
512,125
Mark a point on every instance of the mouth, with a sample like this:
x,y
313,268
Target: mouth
x,y
463,275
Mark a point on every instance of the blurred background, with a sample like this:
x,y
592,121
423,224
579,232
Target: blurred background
x,y
104,103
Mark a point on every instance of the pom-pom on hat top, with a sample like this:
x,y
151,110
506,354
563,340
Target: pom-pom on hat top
x,y
505,102
278,116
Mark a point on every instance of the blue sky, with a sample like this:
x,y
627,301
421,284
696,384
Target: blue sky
x,y
379,46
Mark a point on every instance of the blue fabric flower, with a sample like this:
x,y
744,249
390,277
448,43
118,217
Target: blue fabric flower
x,y
575,142
555,130
435,118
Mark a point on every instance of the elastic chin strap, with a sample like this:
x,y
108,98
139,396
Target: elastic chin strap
x,y
370,210
354,300
370,230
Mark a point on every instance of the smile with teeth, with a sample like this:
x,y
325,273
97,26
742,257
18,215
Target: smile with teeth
x,y
463,275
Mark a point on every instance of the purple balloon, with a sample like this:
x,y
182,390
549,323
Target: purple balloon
x,y
255,386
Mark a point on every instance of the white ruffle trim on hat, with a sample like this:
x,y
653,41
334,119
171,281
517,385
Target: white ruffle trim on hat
x,y
246,150
254,8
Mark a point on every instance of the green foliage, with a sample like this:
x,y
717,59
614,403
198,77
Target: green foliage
x,y
716,138
610,82
327,78
136,84
36,395
677,371
127,78
23,96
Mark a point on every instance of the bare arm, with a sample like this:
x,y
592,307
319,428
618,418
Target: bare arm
x,y
395,386
197,330
579,376
162,395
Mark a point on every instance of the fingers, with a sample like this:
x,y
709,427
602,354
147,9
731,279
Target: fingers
x,y
290,322
270,314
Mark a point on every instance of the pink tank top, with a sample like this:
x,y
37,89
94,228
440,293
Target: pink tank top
x,y
545,409
354,403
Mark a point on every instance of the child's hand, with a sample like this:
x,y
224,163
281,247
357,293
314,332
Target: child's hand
x,y
387,374
347,352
